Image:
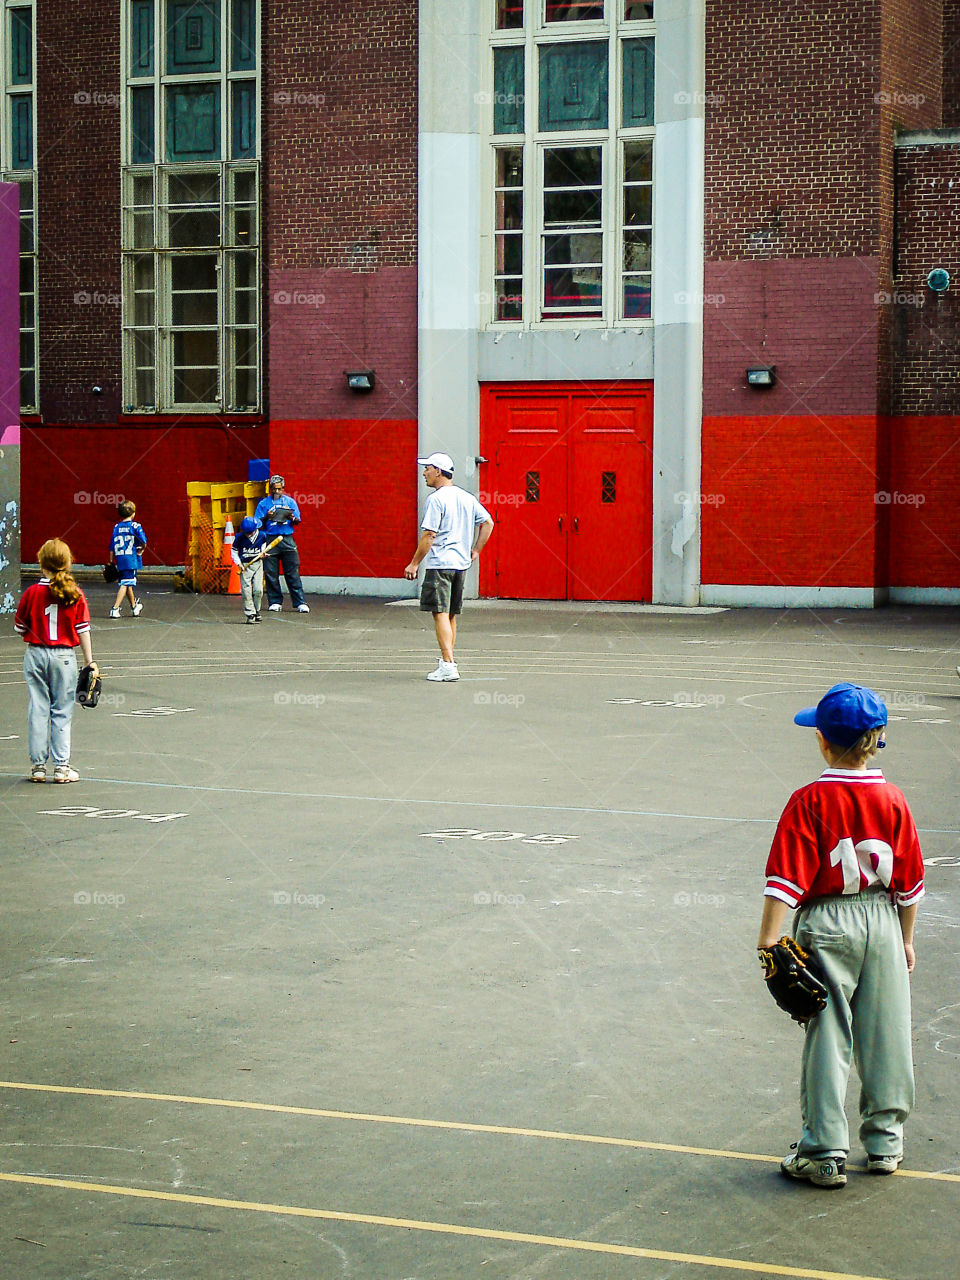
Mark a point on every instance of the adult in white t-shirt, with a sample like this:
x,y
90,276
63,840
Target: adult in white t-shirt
x,y
453,532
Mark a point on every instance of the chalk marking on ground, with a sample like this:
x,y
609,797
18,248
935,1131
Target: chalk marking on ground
x,y
450,804
462,1126
437,1228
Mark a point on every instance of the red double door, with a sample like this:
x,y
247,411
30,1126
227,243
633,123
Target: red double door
x,y
568,480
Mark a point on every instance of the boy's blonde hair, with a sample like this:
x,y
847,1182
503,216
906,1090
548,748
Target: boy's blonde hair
x,y
862,750
55,560
126,509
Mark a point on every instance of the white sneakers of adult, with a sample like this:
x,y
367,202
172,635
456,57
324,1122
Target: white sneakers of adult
x,y
303,608
445,671
114,613
275,608
883,1164
137,608
38,773
63,773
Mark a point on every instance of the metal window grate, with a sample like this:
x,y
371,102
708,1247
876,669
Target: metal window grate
x,y
533,486
608,486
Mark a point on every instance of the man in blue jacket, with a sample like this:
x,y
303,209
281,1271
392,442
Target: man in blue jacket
x,y
277,514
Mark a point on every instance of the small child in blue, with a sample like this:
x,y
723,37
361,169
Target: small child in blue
x,y
248,548
126,551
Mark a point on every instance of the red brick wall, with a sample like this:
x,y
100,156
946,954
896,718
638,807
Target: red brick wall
x,y
356,483
78,208
81,471
790,501
923,510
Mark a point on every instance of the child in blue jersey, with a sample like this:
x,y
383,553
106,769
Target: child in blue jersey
x,y
126,551
247,551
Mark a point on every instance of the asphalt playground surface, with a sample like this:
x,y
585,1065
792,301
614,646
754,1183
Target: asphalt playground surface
x,y
324,971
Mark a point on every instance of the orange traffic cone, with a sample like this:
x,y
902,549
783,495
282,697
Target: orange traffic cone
x,y
227,560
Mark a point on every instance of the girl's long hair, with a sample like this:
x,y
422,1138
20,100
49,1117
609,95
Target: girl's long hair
x,y
55,561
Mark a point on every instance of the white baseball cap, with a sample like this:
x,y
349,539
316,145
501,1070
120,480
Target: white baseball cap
x,y
442,461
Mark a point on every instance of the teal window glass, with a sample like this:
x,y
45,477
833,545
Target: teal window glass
x,y
509,15
193,122
633,12
243,35
637,83
21,132
508,90
142,141
21,46
193,36
142,38
243,106
573,86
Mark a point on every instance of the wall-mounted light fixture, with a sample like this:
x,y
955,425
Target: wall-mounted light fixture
x,y
362,380
762,376
938,280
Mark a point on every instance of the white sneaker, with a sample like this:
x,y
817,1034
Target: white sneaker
x,y
445,671
303,608
114,613
38,773
137,609
275,608
63,773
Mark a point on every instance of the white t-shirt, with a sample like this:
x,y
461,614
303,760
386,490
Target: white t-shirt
x,y
453,515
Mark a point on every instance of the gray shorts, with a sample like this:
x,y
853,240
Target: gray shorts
x,y
442,591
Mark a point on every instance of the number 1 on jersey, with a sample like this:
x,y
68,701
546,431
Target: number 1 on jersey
x,y
52,610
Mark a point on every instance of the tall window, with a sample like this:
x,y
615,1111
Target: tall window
x,y
571,127
17,156
191,225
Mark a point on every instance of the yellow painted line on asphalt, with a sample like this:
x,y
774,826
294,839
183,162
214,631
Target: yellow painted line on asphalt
x,y
419,1123
438,1228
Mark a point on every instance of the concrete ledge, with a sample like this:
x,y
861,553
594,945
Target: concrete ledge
x,y
925,595
740,597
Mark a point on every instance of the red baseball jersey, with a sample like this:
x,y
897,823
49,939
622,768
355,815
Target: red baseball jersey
x,y
843,833
43,619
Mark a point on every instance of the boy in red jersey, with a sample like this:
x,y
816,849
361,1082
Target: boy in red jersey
x,y
847,856
53,618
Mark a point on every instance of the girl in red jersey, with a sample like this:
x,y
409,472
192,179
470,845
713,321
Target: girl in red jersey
x,y
53,619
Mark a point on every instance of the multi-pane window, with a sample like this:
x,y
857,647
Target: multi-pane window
x,y
572,133
191,206
17,155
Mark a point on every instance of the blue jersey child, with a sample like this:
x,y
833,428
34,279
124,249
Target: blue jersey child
x,y
126,551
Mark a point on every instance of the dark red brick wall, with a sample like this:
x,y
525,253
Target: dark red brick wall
x,y
926,326
774,312
340,105
78,208
951,64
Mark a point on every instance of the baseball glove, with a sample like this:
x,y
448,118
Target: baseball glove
x,y
89,685
110,573
794,979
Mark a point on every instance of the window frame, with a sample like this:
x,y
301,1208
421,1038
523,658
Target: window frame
x,y
21,178
163,171
614,30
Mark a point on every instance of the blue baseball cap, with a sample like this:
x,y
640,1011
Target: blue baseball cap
x,y
845,713
248,524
